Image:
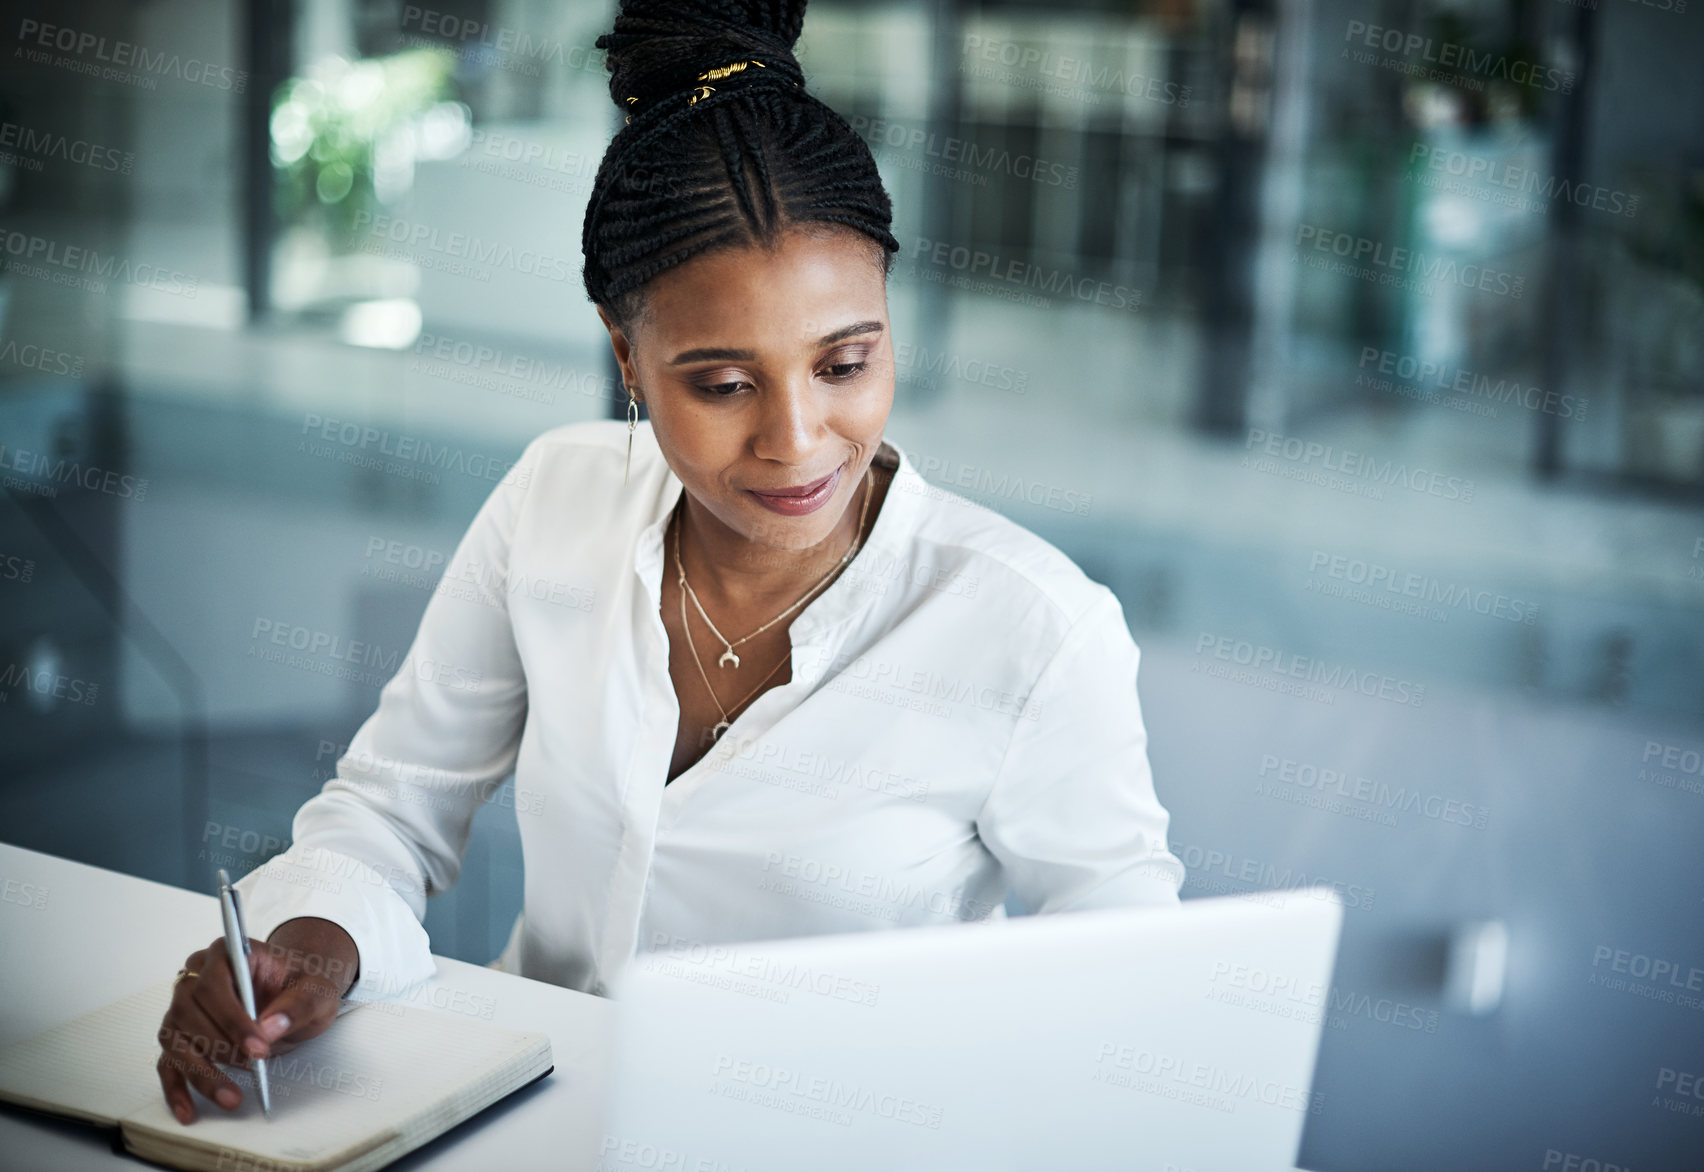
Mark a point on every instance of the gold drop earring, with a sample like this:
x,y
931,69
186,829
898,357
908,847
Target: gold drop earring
x,y
632,422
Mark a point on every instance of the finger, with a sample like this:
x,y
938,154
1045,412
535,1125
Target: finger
x,y
305,1007
189,1050
279,970
192,1031
187,1025
215,995
178,1098
175,1039
218,1045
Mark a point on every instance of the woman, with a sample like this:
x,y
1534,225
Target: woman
x,y
753,676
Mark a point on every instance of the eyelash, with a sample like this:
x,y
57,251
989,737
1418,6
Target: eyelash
x,y
855,368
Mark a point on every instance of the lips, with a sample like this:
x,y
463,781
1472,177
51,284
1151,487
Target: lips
x,y
802,490
800,499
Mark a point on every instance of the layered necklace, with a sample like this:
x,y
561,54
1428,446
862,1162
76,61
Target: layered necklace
x,y
728,655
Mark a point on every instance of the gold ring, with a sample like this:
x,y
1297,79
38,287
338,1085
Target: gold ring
x,y
182,974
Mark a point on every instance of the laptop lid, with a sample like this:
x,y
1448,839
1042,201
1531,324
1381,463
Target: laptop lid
x,y
1177,1039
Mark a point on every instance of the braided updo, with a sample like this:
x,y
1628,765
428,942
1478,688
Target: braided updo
x,y
733,165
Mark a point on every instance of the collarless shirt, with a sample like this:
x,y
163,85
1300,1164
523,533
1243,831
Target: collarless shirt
x,y
962,722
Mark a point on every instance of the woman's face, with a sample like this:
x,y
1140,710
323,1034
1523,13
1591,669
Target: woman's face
x,y
766,370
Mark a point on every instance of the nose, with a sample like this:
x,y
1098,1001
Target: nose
x,y
790,423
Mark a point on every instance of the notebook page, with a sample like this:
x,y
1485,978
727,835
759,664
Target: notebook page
x,y
385,1077
98,1067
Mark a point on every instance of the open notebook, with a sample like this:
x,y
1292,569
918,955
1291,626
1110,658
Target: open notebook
x,y
383,1080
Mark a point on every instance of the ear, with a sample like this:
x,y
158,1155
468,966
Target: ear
x,y
623,347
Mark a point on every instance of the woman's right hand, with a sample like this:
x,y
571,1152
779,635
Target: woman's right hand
x,y
300,975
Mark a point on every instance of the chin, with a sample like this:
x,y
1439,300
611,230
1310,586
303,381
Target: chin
x,y
790,533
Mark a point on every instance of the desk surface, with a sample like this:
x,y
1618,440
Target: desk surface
x,y
56,963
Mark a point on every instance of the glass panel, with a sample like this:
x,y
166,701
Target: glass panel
x,y
1359,350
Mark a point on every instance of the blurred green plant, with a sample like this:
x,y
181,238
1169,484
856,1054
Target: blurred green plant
x,y
345,127
1496,96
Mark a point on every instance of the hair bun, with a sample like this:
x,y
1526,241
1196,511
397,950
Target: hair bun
x,y
660,47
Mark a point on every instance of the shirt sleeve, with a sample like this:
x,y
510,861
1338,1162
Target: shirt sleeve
x,y
393,825
1072,815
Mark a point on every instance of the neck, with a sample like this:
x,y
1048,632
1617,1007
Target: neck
x,y
738,573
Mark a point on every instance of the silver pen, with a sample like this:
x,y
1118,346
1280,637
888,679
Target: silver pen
x,y
237,944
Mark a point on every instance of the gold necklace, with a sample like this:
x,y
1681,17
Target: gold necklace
x,y
722,725
688,592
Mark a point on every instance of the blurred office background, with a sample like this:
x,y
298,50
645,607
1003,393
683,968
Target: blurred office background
x,y
1365,343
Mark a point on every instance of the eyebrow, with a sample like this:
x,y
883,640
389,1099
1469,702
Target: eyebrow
x,y
715,354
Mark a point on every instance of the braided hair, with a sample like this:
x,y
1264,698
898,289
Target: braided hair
x,y
731,159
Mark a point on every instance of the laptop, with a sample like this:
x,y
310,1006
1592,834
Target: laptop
x,y
1177,1039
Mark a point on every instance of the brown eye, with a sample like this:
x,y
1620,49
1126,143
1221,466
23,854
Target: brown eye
x,y
721,390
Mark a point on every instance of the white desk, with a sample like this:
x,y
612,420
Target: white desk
x,y
57,962
100,935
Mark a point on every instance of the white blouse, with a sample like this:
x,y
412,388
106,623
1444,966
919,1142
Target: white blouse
x,y
961,722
